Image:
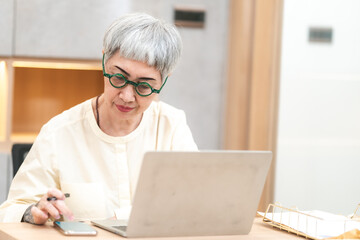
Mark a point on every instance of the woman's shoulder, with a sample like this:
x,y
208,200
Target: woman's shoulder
x,y
164,111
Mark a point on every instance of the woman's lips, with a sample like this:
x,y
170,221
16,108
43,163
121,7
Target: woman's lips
x,y
124,108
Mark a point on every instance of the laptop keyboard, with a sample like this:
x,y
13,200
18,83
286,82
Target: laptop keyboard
x,y
122,228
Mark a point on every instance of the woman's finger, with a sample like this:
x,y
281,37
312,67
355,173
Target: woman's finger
x,y
63,209
49,208
39,217
53,192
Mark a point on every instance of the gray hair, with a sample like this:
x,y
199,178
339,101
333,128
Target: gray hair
x,y
141,37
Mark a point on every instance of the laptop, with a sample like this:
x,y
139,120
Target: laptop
x,y
203,193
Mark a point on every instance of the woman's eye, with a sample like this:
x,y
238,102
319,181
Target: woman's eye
x,y
117,80
144,88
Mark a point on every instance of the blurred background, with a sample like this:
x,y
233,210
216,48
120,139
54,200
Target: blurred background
x,y
279,75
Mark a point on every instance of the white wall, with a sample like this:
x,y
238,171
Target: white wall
x,y
318,160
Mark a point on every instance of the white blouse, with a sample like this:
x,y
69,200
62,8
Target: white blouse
x,y
99,171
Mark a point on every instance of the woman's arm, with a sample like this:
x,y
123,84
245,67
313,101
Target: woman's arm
x,y
37,174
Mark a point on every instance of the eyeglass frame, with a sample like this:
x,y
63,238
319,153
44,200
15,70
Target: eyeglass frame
x,y
135,84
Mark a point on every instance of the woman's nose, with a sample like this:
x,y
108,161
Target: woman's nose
x,y
127,93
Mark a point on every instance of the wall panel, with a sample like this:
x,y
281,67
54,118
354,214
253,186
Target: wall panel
x,y
198,83
64,29
251,118
7,27
319,114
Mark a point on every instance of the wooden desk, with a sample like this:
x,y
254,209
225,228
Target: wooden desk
x,y
25,231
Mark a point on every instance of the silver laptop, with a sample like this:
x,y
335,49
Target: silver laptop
x,y
195,194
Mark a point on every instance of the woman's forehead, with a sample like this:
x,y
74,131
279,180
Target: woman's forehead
x,y
132,67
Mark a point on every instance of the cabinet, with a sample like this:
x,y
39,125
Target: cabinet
x,y
64,29
35,90
41,93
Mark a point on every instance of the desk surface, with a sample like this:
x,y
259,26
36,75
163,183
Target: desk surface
x,y
12,231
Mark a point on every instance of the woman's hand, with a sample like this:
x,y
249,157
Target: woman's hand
x,y
44,209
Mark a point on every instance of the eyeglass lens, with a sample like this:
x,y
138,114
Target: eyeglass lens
x,y
142,88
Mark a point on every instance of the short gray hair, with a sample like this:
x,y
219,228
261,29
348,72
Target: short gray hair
x,y
141,37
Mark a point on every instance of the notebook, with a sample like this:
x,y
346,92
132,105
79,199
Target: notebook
x,y
203,193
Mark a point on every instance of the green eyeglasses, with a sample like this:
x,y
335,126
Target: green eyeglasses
x,y
118,81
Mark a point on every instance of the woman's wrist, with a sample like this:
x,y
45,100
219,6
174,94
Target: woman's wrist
x,y
28,217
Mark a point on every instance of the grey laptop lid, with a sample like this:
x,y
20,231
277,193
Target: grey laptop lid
x,y
196,193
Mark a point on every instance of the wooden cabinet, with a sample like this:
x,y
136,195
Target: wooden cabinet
x,y
39,94
32,91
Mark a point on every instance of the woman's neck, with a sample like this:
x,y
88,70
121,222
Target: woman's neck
x,y
118,128
108,123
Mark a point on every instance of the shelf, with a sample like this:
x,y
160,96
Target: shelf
x,y
23,137
41,93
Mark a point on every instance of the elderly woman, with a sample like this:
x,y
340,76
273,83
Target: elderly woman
x,y
94,150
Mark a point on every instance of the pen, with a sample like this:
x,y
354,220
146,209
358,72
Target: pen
x,y
54,198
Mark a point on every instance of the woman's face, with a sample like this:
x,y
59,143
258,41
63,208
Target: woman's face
x,y
124,103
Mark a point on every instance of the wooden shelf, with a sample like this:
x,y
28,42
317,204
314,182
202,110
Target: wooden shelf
x,y
41,93
23,137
